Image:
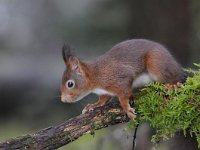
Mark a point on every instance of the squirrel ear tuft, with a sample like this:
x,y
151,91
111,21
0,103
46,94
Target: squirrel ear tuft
x,y
67,52
72,62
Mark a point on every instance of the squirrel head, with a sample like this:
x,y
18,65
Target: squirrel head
x,y
75,82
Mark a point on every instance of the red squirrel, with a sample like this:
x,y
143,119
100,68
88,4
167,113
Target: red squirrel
x,y
127,65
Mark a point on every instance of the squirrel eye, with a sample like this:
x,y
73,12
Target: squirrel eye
x,y
70,84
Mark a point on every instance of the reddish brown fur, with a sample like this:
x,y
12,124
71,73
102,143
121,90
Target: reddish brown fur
x,y
168,71
116,70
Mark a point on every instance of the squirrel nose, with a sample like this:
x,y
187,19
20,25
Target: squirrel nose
x,y
66,98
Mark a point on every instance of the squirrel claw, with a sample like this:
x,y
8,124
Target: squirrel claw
x,y
131,113
84,111
171,87
88,108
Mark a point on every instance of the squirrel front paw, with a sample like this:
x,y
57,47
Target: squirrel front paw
x,y
88,108
131,113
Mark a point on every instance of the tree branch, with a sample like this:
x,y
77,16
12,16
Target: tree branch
x,y
166,109
55,137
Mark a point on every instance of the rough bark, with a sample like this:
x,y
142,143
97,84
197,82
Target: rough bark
x,y
55,137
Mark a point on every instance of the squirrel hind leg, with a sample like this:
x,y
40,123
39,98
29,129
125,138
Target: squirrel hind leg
x,y
163,67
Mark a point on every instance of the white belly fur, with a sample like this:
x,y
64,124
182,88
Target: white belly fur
x,y
100,91
143,79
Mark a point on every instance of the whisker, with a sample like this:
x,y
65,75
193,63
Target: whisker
x,y
57,96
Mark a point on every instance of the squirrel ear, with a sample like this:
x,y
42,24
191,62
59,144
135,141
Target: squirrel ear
x,y
66,52
72,62
75,65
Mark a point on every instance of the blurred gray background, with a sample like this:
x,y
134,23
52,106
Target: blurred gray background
x,y
31,37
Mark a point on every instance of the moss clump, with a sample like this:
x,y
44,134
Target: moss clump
x,y
171,110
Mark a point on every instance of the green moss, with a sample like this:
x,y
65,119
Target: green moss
x,y
171,110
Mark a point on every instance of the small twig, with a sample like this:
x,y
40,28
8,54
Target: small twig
x,y
134,136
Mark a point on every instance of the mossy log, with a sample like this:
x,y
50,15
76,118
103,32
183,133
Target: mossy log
x,y
55,137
